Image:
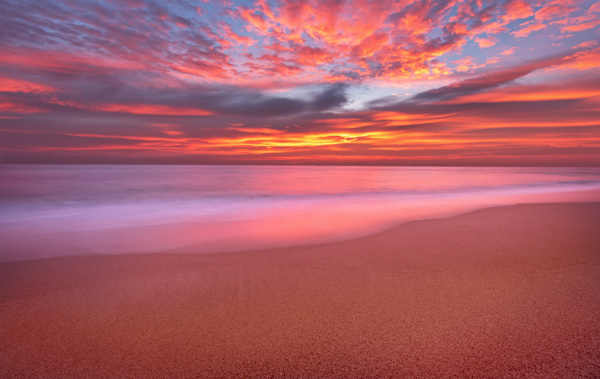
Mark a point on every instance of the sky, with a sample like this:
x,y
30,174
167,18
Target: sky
x,y
354,82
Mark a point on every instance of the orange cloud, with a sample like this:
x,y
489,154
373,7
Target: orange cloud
x,y
517,9
229,34
151,109
509,51
6,106
14,85
583,60
585,45
527,30
62,62
256,130
580,27
555,9
529,93
203,69
486,42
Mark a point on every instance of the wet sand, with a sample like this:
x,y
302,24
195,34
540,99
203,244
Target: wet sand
x,y
501,292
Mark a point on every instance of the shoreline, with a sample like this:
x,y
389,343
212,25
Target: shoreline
x,y
279,230
501,291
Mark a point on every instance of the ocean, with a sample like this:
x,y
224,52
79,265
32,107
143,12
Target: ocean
x,y
56,210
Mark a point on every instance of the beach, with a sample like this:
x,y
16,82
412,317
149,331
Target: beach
x,y
510,291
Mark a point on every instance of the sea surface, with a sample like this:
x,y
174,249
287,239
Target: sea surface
x,y
56,210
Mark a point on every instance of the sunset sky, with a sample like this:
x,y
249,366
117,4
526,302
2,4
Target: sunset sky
x,y
445,82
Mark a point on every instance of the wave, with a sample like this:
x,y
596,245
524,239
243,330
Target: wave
x,y
212,224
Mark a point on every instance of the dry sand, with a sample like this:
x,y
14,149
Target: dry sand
x,y
501,292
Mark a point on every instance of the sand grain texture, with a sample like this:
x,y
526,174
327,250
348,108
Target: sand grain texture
x,y
501,292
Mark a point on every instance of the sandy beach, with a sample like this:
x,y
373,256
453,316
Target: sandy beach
x,y
500,292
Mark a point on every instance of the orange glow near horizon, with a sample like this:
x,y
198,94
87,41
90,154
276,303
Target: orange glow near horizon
x,y
152,109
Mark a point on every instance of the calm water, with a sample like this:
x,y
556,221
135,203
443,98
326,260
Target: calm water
x,y
52,210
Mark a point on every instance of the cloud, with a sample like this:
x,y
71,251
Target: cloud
x,y
509,51
231,101
553,10
585,45
581,27
486,42
516,9
332,97
527,29
486,81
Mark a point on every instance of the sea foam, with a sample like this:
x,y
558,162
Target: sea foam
x,y
55,210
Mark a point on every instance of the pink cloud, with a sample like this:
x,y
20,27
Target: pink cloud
x,y
517,9
581,27
527,30
509,51
585,45
486,42
555,9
